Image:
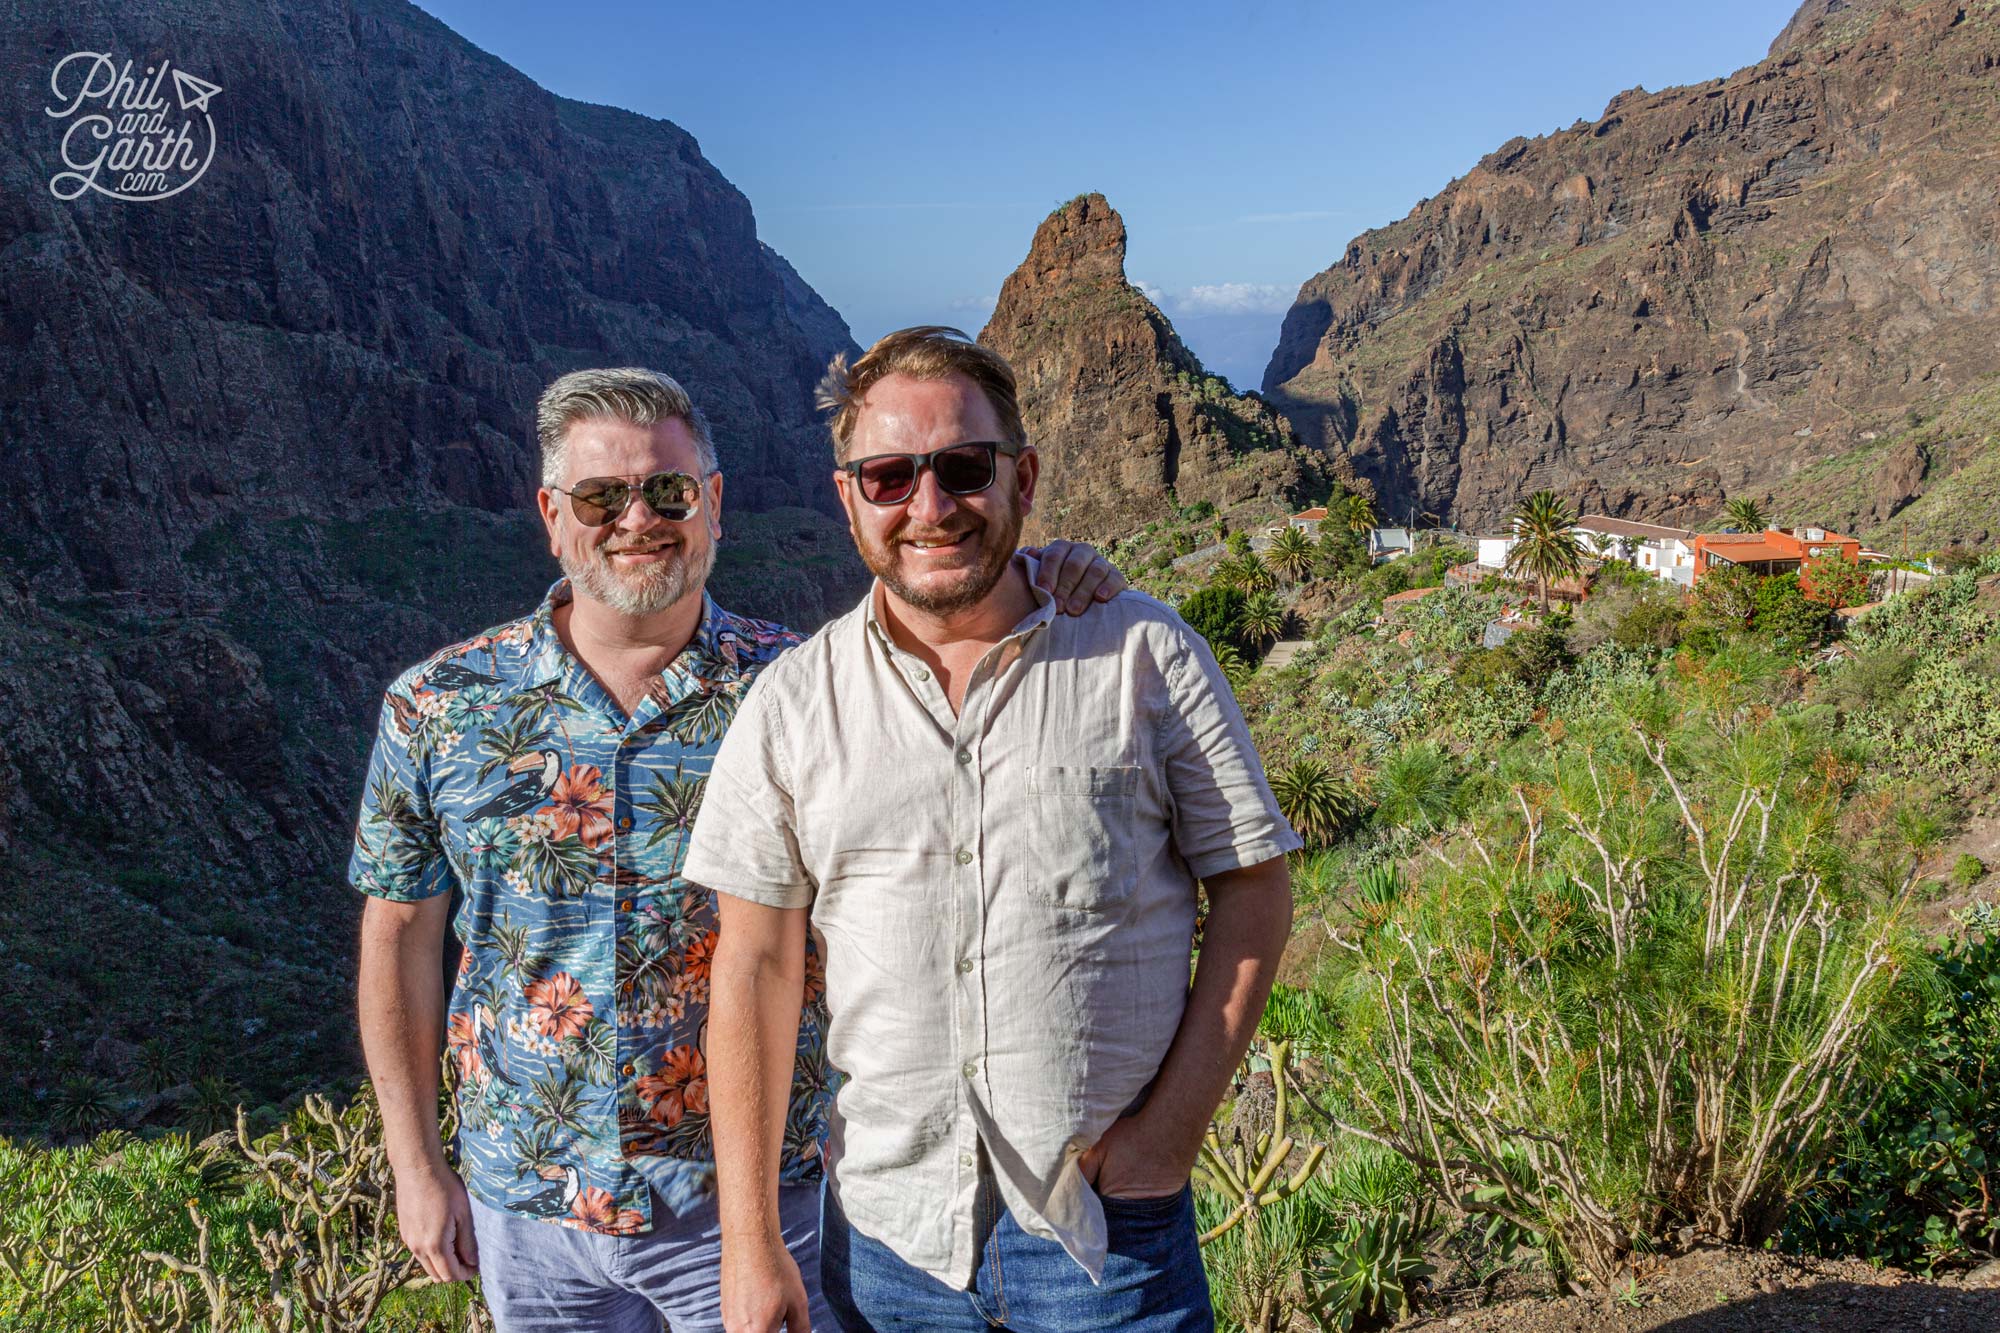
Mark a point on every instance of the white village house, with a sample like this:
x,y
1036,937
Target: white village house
x,y
1665,553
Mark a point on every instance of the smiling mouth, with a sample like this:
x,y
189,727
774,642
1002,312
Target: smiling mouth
x,y
932,544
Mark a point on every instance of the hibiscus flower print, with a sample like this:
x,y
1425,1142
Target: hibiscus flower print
x,y
700,953
464,1047
557,1006
580,807
596,1210
678,1088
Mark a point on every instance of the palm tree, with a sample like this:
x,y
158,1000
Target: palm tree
x,y
1744,515
1358,512
1234,669
82,1105
1257,576
1313,799
1291,554
1545,547
1264,618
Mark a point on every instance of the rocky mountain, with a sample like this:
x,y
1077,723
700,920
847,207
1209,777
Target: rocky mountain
x,y
1761,284
1127,421
268,437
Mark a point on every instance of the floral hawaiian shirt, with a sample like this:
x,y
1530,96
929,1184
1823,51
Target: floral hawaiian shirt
x,y
503,769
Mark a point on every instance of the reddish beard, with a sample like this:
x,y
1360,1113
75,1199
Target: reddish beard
x,y
991,546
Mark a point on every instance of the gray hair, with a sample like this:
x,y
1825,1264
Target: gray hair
x,y
642,397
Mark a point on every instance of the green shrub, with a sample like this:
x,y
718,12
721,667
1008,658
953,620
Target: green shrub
x,y
1792,621
1575,1014
1724,598
1417,789
1967,871
170,1233
1216,613
1653,621
1913,1182
1538,654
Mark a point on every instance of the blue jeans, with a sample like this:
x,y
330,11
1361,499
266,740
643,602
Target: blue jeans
x,y
1153,1279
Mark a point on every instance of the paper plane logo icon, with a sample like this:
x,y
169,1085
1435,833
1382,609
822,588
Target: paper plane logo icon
x,y
193,92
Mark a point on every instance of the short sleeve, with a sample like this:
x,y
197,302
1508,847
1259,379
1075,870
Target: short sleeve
x,y
1224,816
397,852
745,840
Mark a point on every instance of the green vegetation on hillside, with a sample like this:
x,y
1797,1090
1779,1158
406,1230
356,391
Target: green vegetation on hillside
x,y
1617,936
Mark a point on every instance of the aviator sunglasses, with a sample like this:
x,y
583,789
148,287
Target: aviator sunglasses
x,y
960,469
595,501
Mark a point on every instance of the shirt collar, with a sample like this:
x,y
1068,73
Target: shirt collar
x,y
710,655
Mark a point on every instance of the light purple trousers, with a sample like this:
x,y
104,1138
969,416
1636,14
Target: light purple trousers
x,y
542,1278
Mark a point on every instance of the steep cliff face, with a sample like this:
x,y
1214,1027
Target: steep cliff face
x,y
1695,295
1126,419
271,437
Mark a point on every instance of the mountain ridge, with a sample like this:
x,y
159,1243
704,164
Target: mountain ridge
x,y
1127,420
1651,311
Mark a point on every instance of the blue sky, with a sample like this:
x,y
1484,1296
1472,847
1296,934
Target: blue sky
x,y
901,155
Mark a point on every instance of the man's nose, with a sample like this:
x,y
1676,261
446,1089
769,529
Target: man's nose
x,y
929,503
639,516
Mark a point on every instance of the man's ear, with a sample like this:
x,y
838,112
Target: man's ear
x,y
712,504
1027,471
546,501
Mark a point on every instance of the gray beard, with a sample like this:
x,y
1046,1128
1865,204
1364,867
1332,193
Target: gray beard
x,y
643,593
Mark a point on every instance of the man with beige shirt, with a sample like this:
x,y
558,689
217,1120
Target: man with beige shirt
x,y
996,819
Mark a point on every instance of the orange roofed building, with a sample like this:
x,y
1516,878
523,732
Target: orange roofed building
x,y
1772,551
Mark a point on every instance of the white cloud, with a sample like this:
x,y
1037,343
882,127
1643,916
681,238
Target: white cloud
x,y
1234,298
979,304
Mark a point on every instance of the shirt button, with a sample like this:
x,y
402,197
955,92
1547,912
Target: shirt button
x,y
970,1070
965,965
964,857
966,1159
923,674
630,1070
965,756
625,906
625,822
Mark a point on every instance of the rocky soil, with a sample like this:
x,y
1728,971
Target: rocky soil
x,y
1742,1291
1692,295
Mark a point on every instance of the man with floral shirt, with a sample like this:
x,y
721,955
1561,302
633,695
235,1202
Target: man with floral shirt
x,y
550,769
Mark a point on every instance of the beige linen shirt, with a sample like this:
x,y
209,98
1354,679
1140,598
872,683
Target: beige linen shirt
x,y
1006,897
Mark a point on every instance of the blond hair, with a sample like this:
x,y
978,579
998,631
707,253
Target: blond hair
x,y
926,352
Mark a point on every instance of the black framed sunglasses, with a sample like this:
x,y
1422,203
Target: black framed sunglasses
x,y
960,469
596,501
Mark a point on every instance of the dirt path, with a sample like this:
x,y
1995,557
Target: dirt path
x,y
1745,1291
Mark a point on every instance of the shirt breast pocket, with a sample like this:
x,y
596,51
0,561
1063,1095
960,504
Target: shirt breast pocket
x,y
1083,850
